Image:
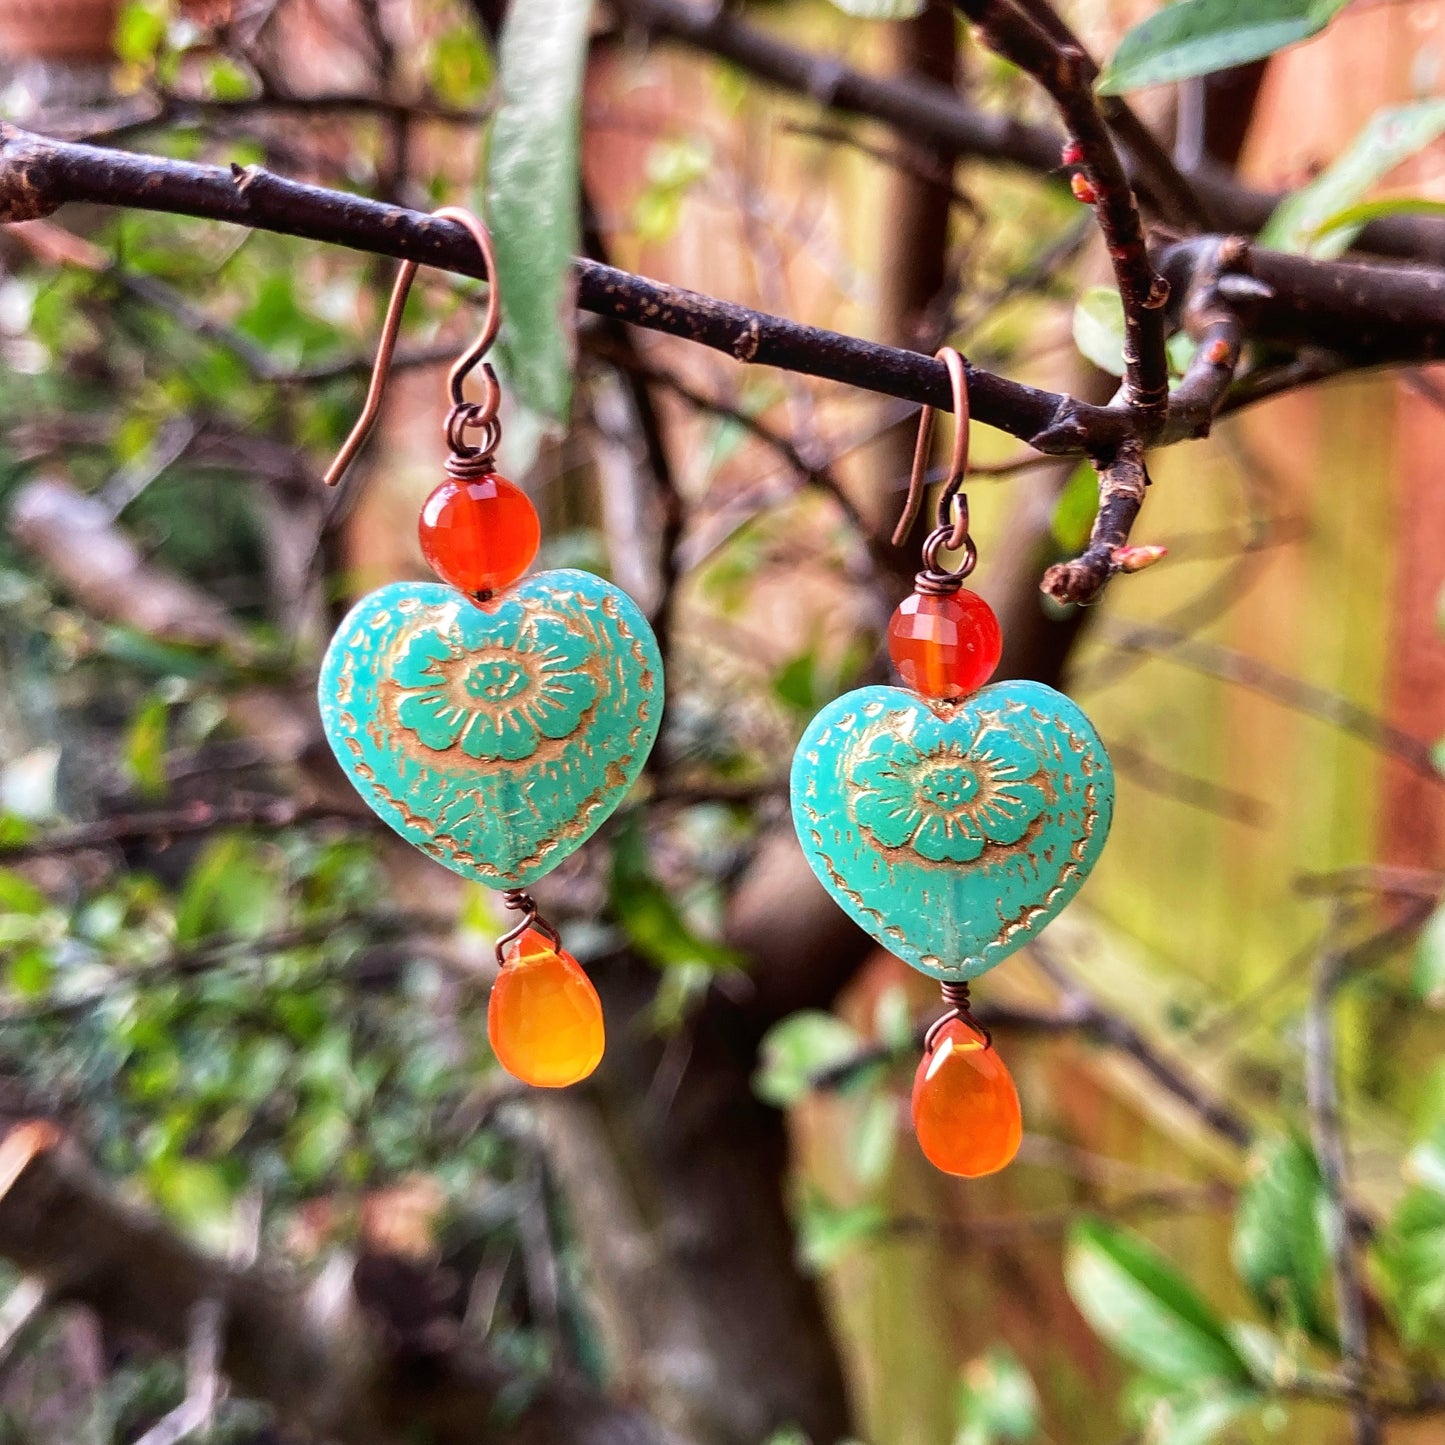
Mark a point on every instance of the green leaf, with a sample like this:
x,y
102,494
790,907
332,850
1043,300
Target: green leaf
x,y
227,81
649,914
1074,511
1198,37
796,683
29,971
1306,220
1427,973
1354,219
673,167
144,748
797,1048
873,1137
230,891
1411,1256
318,1141
196,1195
1279,1246
1425,1163
882,9
1194,1419
20,895
278,320
997,1400
532,186
461,66
826,1232
139,33
1146,1311
1099,328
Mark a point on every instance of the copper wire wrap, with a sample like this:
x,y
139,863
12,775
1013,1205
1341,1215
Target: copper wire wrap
x,y
951,521
465,459
518,900
956,997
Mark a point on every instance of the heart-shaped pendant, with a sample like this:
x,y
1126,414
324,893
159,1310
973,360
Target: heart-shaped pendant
x,y
952,832
496,736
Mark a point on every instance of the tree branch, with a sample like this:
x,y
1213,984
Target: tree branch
x,y
1064,71
1326,1133
1370,315
918,110
37,175
1375,313
1123,480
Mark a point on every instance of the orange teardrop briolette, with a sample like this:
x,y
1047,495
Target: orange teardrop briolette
x,y
965,1107
544,1017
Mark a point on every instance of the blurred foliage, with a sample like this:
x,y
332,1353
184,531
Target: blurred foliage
x,y
244,1016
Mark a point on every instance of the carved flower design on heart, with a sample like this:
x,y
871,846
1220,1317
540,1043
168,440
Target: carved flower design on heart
x,y
495,684
948,801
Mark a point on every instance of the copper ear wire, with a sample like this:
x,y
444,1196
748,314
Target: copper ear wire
x,y
465,457
951,523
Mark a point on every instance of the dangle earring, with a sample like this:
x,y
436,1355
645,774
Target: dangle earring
x,y
494,721
952,821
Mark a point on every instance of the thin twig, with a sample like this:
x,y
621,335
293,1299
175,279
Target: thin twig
x,y
1327,1135
1123,481
1245,671
186,821
1058,64
918,110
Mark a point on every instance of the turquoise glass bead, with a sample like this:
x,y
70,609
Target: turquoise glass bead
x,y
497,736
952,832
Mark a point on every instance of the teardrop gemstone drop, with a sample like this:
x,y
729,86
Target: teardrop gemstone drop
x,y
544,1017
965,1107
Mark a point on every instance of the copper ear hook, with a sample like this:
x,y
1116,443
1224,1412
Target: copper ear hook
x,y
464,413
951,529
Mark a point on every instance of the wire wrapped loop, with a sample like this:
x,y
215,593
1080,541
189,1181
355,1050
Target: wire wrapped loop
x,y
518,900
956,996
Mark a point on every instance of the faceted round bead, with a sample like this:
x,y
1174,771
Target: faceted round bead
x,y
945,645
480,534
544,1017
965,1106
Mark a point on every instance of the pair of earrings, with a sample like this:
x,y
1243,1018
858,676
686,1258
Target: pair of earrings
x,y
496,721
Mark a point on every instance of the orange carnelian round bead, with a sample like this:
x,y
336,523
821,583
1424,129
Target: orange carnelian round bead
x,y
544,1017
480,534
945,645
965,1106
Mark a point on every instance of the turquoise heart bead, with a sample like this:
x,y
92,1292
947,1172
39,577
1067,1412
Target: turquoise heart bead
x,y
952,832
497,736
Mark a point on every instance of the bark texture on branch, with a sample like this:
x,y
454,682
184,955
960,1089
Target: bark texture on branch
x,y
1359,314
331,1356
47,173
